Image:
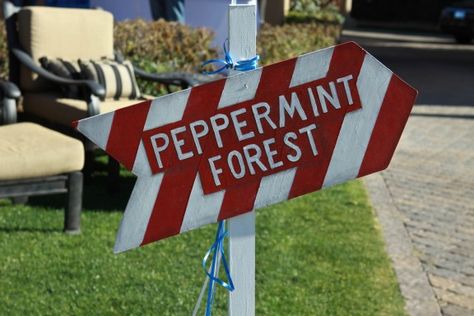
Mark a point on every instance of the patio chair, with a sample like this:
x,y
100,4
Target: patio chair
x,y
54,34
35,160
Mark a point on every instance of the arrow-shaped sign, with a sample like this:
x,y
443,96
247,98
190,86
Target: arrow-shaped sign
x,y
257,138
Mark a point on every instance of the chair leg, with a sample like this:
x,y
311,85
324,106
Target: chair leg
x,y
89,163
20,200
72,216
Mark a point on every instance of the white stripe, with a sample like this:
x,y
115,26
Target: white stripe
x,y
312,66
137,214
358,125
202,209
141,166
167,109
275,188
240,88
97,128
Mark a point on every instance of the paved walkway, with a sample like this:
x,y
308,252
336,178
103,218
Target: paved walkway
x,y
425,203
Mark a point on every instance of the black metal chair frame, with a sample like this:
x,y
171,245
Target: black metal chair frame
x,y
20,190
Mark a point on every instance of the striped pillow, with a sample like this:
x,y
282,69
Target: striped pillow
x,y
118,79
65,69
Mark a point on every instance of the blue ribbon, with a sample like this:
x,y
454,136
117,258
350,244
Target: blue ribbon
x,y
228,63
217,249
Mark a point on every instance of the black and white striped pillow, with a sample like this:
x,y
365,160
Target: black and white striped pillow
x,y
65,69
118,79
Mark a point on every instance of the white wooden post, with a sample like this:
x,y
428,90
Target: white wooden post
x,y
242,45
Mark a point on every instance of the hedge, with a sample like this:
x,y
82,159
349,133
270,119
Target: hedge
x,y
161,46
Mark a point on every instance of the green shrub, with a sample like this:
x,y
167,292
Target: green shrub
x,y
162,46
311,5
167,46
3,52
276,43
325,16
304,11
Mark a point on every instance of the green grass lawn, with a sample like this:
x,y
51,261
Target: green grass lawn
x,y
321,254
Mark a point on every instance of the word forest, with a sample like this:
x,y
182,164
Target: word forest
x,y
253,139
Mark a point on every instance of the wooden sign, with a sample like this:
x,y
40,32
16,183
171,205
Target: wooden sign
x,y
257,138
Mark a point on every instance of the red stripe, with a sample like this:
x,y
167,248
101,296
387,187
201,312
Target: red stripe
x,y
241,199
389,126
172,200
346,59
125,133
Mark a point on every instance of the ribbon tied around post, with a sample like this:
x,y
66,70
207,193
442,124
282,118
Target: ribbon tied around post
x,y
218,255
228,63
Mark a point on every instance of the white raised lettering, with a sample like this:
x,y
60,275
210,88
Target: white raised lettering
x,y
332,98
197,135
158,149
215,171
313,102
271,153
347,89
290,108
238,125
217,128
265,115
255,158
240,161
178,143
308,130
286,140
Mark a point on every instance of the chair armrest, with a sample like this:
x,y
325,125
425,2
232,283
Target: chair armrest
x,y
9,93
185,80
9,90
94,87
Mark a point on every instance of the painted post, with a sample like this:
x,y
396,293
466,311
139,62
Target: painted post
x,y
242,45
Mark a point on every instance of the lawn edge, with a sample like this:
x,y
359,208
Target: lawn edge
x,y
415,288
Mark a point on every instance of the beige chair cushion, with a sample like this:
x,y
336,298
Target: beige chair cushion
x,y
29,150
54,108
63,33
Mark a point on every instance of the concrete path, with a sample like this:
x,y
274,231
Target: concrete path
x,y
425,199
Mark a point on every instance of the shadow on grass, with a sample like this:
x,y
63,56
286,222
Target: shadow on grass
x,y
96,195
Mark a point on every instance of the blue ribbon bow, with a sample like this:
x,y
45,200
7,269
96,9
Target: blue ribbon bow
x,y
228,63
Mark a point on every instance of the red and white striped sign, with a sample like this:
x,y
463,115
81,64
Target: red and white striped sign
x,y
257,138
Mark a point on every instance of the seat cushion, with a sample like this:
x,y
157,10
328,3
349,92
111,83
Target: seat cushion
x,y
54,108
63,33
29,150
